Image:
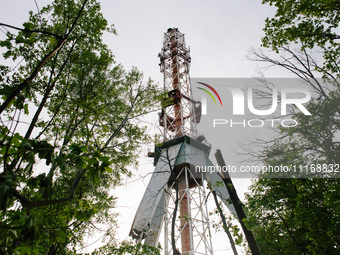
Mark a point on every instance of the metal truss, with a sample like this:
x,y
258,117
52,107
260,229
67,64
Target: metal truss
x,y
180,113
192,218
176,195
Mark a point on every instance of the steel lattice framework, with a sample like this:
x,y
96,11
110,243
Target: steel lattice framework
x,y
175,196
179,117
193,212
179,112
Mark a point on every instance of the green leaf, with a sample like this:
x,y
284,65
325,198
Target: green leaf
x,y
6,44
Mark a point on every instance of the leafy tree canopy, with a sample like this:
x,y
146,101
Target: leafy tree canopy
x,y
313,23
69,128
295,215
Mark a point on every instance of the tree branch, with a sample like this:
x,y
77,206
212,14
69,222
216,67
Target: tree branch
x,y
28,80
32,30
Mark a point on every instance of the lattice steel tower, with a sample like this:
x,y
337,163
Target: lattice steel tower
x,y
176,195
180,113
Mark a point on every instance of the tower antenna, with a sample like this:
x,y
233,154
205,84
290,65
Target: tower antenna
x,y
176,196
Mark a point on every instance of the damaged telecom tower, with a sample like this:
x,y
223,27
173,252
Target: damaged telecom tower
x,y
175,197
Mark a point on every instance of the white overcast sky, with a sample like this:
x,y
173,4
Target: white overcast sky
x,y
218,32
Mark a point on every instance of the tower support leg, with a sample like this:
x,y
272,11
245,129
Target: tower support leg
x,y
192,232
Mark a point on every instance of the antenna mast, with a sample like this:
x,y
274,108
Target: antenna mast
x,y
175,196
180,113
179,118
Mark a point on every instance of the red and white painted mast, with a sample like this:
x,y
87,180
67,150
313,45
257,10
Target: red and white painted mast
x,y
179,118
175,196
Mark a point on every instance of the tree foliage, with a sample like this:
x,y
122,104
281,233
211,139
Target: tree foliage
x,y
302,215
312,23
127,247
295,216
69,128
